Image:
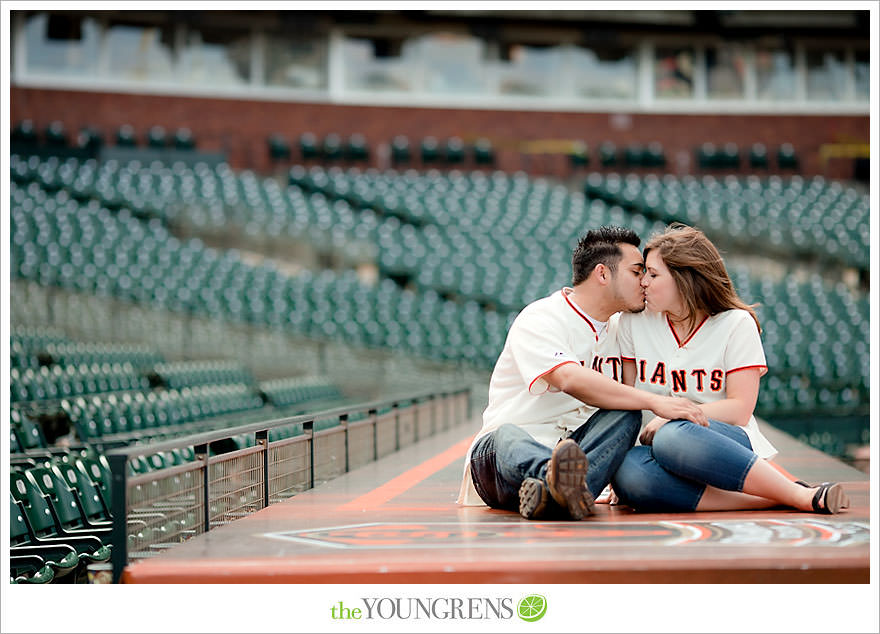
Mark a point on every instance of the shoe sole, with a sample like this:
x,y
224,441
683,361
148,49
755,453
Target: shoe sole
x,y
836,499
533,498
566,479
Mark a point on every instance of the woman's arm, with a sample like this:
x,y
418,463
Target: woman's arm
x,y
736,409
742,395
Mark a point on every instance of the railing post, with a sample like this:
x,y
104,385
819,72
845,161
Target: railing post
x,y
396,409
119,509
201,452
262,438
374,413
309,428
343,420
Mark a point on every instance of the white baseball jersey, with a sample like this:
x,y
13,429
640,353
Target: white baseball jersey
x,y
698,367
548,333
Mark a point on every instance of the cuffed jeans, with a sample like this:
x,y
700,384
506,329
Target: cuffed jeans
x,y
502,459
671,474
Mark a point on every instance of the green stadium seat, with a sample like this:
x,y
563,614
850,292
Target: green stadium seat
x,y
29,558
45,527
484,153
279,148
184,139
430,150
55,135
23,137
633,155
125,136
708,156
653,155
356,148
729,156
786,157
400,151
308,146
758,156
157,138
579,155
454,150
332,148
607,154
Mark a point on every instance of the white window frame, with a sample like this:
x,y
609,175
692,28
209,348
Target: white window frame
x,y
336,92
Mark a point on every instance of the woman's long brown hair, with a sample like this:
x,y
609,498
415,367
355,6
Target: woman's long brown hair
x,y
698,271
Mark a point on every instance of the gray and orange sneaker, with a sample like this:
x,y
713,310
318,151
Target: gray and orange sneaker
x,y
566,485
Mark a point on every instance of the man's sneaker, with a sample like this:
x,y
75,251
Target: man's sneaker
x,y
566,479
533,499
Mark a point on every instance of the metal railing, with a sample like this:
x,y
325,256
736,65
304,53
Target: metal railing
x,y
153,511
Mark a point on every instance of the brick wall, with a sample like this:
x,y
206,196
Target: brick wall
x,y
241,127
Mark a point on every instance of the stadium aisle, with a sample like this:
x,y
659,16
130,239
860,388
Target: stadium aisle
x,y
396,521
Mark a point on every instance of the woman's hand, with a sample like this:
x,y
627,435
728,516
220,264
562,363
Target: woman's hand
x,y
647,435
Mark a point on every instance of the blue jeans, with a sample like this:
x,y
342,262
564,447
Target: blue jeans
x,y
671,474
502,459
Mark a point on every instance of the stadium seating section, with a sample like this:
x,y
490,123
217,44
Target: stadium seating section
x,y
458,253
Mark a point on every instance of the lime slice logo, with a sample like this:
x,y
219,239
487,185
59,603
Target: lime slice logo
x,y
532,608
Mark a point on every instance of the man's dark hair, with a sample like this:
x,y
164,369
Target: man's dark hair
x,y
600,246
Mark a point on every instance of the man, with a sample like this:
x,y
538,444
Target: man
x,y
559,422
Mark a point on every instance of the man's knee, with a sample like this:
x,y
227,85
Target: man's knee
x,y
631,482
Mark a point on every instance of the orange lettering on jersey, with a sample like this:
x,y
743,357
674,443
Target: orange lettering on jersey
x,y
679,383
642,364
597,364
659,376
700,375
715,380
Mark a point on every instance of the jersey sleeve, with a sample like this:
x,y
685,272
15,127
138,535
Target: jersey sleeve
x,y
744,348
624,337
538,347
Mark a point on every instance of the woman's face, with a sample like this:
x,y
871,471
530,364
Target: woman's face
x,y
661,293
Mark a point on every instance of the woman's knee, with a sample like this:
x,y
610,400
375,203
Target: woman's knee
x,y
670,442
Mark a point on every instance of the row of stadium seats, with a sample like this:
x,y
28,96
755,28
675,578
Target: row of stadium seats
x,y
466,236
25,136
59,518
794,216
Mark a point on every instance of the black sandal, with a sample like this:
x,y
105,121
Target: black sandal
x,y
831,493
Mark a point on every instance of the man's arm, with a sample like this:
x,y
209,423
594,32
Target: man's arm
x,y
596,389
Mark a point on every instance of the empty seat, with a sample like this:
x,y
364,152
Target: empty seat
x,y
653,155
484,153
786,157
430,150
400,152
579,155
608,154
707,156
356,148
56,136
125,136
279,148
157,137
184,139
23,136
308,146
758,156
332,147
454,150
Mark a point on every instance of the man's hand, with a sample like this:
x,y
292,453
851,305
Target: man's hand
x,y
647,435
675,408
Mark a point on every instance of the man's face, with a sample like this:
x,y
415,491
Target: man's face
x,y
626,282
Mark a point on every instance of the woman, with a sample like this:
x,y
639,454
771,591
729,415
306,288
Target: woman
x,y
697,339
